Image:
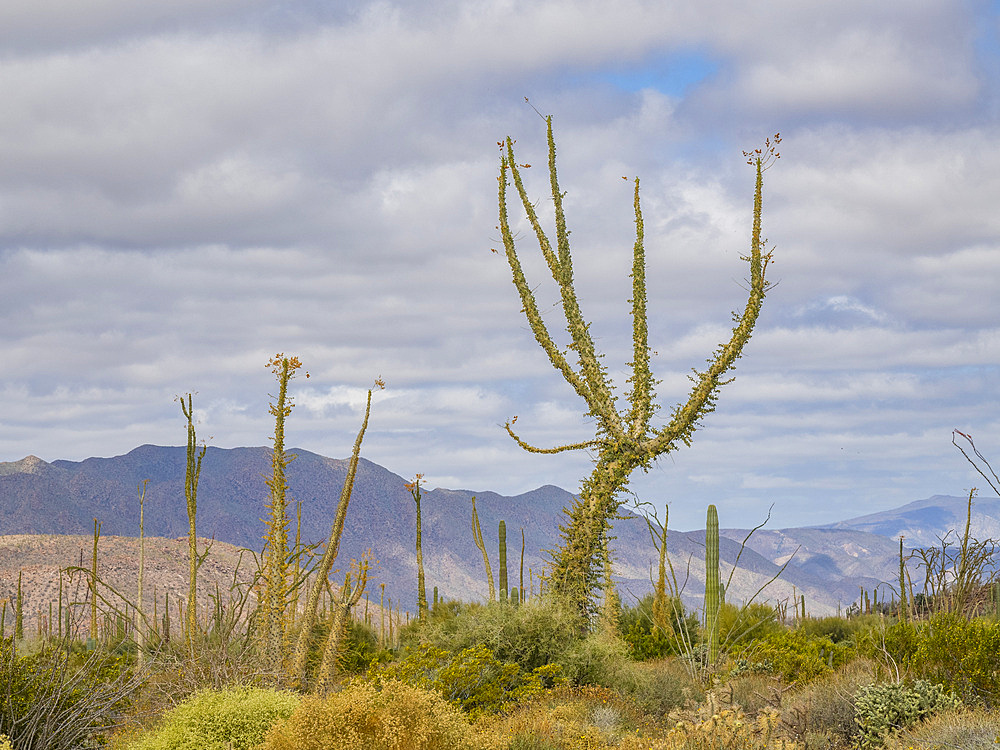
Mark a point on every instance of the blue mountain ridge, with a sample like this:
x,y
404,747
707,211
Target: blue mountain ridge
x,y
828,564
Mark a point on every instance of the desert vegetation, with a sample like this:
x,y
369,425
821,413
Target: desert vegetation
x,y
283,655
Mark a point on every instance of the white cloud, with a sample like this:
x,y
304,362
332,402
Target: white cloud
x,y
185,192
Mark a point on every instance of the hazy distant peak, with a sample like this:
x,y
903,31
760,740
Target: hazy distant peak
x,y
27,465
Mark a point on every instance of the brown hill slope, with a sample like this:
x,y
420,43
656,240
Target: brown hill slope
x,y
40,559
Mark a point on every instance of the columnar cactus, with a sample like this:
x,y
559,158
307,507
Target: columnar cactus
x,y
712,597
502,531
414,489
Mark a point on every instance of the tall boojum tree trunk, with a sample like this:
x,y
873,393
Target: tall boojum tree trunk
x,y
192,474
273,621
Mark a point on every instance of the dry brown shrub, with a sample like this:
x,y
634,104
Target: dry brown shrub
x,y
570,717
363,717
822,713
751,693
969,730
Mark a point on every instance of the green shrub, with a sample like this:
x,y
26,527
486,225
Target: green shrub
x,y
882,709
646,640
742,625
949,649
598,659
837,629
794,654
359,647
364,716
531,635
962,655
473,679
661,686
5,742
602,659
897,640
236,719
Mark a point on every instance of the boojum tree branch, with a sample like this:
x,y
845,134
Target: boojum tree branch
x,y
626,439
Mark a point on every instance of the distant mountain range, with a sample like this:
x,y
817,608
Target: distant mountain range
x,y
924,522
829,565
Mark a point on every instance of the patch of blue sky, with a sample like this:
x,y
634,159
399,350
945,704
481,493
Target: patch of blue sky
x,y
672,74
987,39
987,45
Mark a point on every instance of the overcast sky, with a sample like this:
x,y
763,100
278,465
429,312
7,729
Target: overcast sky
x,y
189,187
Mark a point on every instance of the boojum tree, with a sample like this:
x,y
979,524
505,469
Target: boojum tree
x,y
625,440
321,578
414,490
273,618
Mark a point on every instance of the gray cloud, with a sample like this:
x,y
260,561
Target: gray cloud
x,y
186,191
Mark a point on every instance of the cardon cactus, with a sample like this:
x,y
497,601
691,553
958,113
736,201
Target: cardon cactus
x,y
503,561
712,597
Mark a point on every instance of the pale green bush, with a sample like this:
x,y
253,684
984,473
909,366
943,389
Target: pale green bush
x,y
532,635
883,709
5,742
232,719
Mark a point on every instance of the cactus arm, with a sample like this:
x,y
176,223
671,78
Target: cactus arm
x,y
593,387
529,305
558,449
707,383
641,395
